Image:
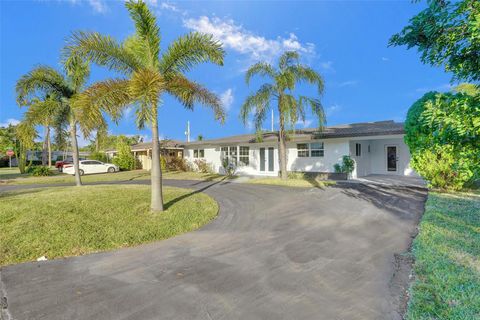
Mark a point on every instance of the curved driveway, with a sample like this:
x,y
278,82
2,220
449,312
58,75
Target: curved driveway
x,y
272,253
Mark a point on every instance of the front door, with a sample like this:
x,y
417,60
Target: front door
x,y
392,158
266,160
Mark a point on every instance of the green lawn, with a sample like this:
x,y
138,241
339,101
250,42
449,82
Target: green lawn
x,y
291,182
447,254
59,222
13,177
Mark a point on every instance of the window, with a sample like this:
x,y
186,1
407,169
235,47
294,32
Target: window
x,y
358,149
302,149
199,153
230,153
244,155
316,149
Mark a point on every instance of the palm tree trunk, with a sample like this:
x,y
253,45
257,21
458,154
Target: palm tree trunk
x,y
44,146
157,195
49,148
282,149
73,135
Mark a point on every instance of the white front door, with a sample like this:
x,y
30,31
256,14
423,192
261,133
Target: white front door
x,y
391,159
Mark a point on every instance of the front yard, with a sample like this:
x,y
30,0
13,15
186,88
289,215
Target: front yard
x,y
13,177
59,222
447,254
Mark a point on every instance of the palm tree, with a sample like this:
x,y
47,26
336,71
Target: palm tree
x,y
44,112
48,81
291,108
146,76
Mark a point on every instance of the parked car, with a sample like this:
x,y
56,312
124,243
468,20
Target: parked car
x,y
90,167
69,160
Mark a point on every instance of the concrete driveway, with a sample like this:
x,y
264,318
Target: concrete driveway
x,y
272,253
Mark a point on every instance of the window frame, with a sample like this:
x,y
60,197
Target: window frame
x,y
320,149
358,149
305,151
199,153
243,157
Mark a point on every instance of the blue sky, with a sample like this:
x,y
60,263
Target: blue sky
x,y
345,41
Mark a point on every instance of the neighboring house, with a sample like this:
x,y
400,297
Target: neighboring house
x,y
143,151
376,147
56,155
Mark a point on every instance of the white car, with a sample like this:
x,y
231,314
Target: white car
x,y
91,166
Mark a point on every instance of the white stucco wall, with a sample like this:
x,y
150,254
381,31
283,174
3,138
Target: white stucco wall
x,y
334,150
373,162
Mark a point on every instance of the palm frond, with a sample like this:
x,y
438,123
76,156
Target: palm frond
x,y
317,109
262,69
26,133
42,112
259,104
77,70
189,92
102,50
41,79
146,29
307,74
110,96
146,86
190,50
287,58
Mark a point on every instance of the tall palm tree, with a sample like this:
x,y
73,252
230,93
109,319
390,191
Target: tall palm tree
x,y
283,81
65,88
44,112
146,76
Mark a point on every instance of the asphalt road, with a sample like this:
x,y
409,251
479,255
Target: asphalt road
x,y
272,253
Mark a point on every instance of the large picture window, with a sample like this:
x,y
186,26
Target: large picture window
x,y
316,149
244,156
302,149
230,153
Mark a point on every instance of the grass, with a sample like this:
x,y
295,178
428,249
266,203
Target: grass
x,y
291,182
60,222
447,259
13,177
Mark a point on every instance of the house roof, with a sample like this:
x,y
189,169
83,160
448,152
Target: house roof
x,y
164,144
378,128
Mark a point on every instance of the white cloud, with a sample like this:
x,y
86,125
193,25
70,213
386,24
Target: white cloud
x,y
98,6
327,66
385,59
333,109
237,38
10,121
304,124
227,99
348,83
441,88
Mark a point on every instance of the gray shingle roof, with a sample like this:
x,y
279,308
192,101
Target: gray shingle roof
x,y
378,128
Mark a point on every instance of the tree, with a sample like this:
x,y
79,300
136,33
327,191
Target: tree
x,y
291,108
446,33
25,134
124,158
48,81
199,137
147,75
44,112
445,127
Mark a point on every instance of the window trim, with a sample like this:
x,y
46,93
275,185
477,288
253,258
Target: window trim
x,y
244,156
321,149
199,153
306,150
358,149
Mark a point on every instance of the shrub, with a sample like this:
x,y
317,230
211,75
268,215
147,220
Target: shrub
x,y
445,127
178,164
163,163
203,166
124,159
99,156
228,167
38,171
347,165
442,169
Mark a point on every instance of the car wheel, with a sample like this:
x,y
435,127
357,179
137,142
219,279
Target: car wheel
x,y
60,169
81,172
111,170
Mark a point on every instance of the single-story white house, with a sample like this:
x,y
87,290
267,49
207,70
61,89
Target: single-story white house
x,y
376,147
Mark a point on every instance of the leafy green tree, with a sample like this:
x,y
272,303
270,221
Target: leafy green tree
x,y
147,75
124,158
446,33
445,123
25,134
280,89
